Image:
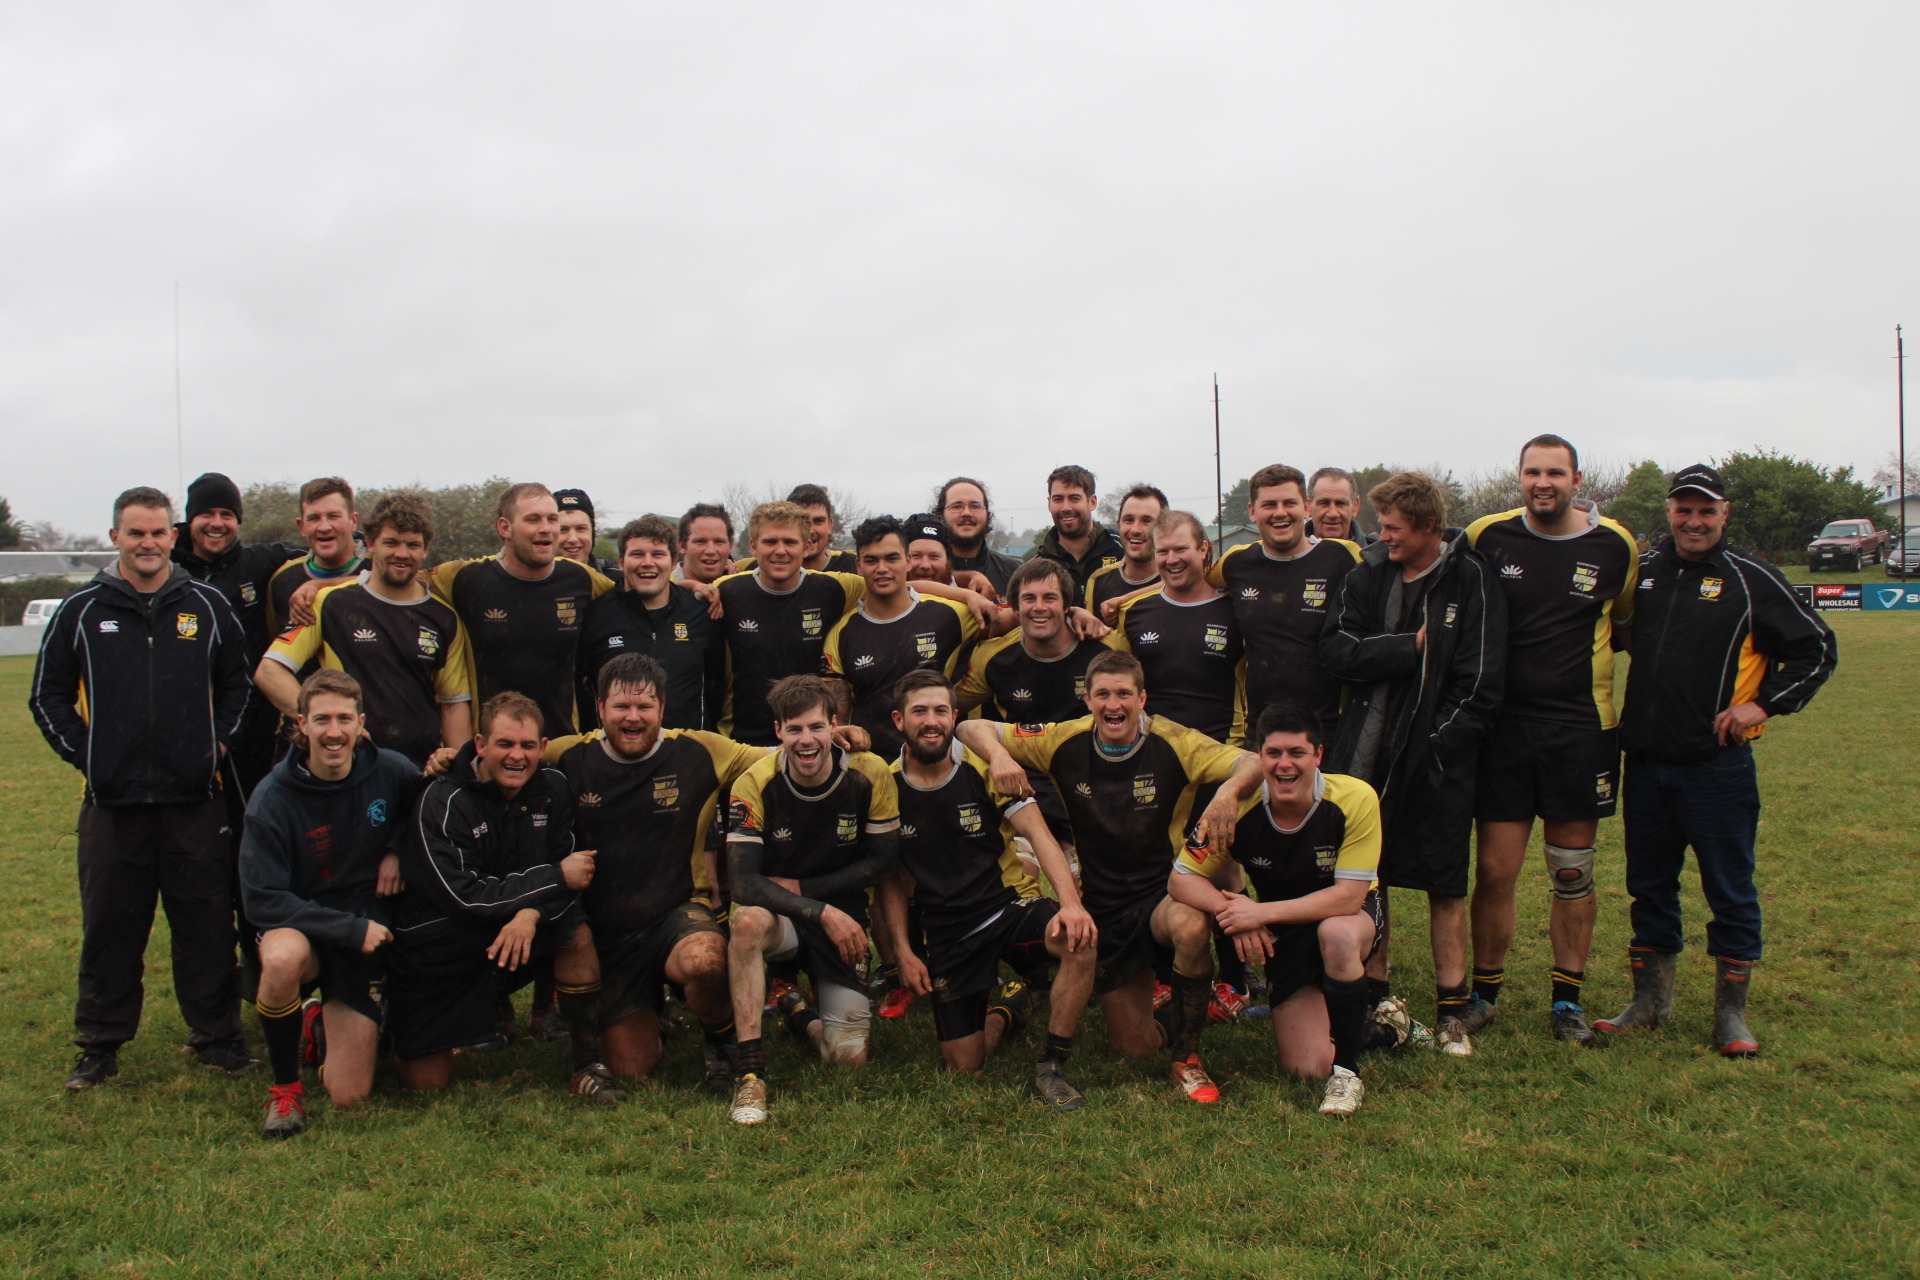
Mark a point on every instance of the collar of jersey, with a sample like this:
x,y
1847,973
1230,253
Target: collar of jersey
x,y
1319,794
839,772
956,752
1100,747
798,582
1019,638
1580,504
607,746
321,573
1189,604
914,598
366,581
1312,542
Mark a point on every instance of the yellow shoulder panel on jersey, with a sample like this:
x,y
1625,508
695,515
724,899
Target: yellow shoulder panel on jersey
x,y
1217,574
973,689
1212,858
440,577
884,812
1360,850
1353,548
730,759
1204,759
1033,745
1485,522
1120,622
557,747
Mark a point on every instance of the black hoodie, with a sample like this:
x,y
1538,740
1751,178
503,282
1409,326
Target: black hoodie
x,y
139,691
240,573
310,850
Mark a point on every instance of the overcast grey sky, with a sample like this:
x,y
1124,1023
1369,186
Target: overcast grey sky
x,y
651,249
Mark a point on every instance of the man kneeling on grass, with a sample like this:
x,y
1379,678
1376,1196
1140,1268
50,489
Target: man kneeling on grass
x,y
316,857
977,903
492,899
1309,842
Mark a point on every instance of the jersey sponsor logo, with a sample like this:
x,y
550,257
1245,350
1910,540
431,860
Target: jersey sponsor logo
x,y
1313,594
740,816
377,812
908,831
848,828
1263,863
680,631
1080,687
1020,695
567,609
1145,788
188,625
539,819
862,662
429,642
616,642
1646,584
1083,788
481,830
1512,572
1453,611
783,833
970,821
1216,637
1710,588
1029,730
811,622
248,593
1249,593
927,645
109,627
1586,577
1325,855
666,791
1603,787
749,625
495,615
1148,637
589,800
366,635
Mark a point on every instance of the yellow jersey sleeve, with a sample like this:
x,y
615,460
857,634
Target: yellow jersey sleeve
x,y
852,584
831,664
1205,862
440,578
297,646
557,747
746,810
730,758
1205,760
1033,745
973,689
601,582
453,682
883,808
1359,857
1622,611
1217,573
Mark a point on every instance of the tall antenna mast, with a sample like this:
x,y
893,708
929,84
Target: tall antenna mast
x,y
1900,364
1219,497
179,422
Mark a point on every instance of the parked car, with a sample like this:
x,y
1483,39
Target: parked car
x,y
38,613
1847,544
1903,561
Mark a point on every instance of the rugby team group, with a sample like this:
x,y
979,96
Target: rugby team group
x,y
1125,770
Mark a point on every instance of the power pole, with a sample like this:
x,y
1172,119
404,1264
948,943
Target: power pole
x,y
1220,497
179,422
1900,365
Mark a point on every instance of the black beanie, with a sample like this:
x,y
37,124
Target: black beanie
x,y
213,490
574,500
927,526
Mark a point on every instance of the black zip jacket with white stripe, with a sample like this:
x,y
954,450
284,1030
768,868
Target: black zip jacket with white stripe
x,y
476,857
1709,633
139,691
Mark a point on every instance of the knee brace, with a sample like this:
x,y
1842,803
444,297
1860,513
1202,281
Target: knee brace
x,y
1572,872
845,1017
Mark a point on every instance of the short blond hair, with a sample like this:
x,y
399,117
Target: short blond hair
x,y
791,514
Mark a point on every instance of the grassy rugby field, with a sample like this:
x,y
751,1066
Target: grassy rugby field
x,y
1651,1159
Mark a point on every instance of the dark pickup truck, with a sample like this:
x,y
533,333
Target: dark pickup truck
x,y
1847,544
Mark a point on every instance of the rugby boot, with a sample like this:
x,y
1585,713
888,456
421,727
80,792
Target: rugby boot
x,y
594,1083
1481,1013
749,1100
1730,1034
1344,1093
1652,1002
1226,1005
91,1068
1451,1038
1051,1083
1569,1022
898,1001
1161,994
547,1024
716,1071
313,1033
286,1110
1014,1003
228,1056
796,1013
1389,1026
1193,1080
776,989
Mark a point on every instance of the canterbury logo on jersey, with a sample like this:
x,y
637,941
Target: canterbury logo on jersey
x,y
109,627
188,625
1646,584
616,642
481,830
366,635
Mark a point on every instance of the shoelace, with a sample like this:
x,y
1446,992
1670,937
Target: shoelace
x,y
285,1097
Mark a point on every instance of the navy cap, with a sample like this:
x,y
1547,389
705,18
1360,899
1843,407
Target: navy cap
x,y
1701,478
914,528
574,500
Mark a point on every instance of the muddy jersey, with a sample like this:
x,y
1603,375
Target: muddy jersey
x,y
1017,688
1130,812
957,845
409,657
811,833
1339,839
646,820
1110,583
1564,597
523,635
1194,661
770,635
1281,606
295,574
871,656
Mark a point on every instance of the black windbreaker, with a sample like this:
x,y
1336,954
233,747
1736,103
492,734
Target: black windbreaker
x,y
240,573
1709,633
310,850
139,691
688,645
1425,768
1104,549
473,858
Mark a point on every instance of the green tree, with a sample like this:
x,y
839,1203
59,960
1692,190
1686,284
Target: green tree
x,y
463,514
11,532
1641,506
1848,498
1779,501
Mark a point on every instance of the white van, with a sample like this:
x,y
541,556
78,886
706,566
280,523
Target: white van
x,y
39,613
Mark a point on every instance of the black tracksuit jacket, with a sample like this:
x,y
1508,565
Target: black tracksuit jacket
x,y
163,680
1709,633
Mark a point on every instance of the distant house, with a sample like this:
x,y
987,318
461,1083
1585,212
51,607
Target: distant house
x,y
74,566
1233,534
1892,503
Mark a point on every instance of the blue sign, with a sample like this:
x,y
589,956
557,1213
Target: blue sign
x,y
1877,598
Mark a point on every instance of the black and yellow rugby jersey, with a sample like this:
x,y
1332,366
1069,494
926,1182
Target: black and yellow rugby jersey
x,y
1109,582
809,834
295,574
646,819
871,656
523,635
1130,813
1281,606
1339,839
1018,688
1564,597
771,635
957,845
408,657
1194,659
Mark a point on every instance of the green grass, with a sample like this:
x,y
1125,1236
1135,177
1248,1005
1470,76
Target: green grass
x,y
1651,1159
